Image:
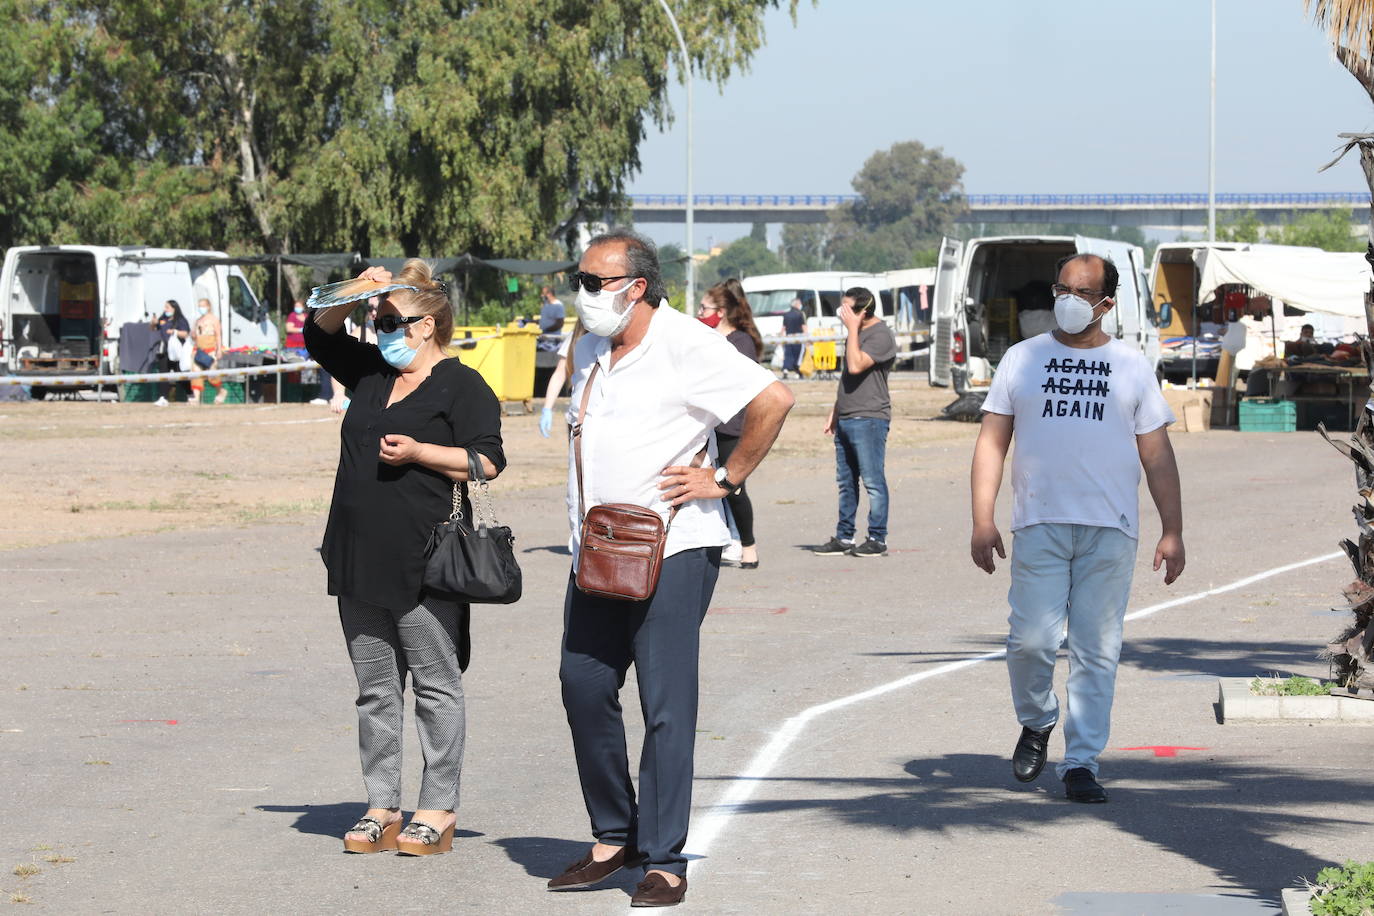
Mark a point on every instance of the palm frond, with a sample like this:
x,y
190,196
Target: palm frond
x,y
1349,24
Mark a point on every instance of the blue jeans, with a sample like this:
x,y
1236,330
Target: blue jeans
x,y
791,357
1079,575
860,450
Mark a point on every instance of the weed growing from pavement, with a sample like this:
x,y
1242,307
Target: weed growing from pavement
x,y
1344,890
28,869
1295,686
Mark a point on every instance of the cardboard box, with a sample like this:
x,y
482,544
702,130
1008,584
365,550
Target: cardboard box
x,y
1199,409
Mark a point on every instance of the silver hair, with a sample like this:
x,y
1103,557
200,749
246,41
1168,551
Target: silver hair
x,y
641,260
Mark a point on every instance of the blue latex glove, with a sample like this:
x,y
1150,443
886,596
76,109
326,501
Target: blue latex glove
x,y
546,422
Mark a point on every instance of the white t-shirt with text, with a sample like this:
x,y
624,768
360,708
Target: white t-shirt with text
x,y
1076,415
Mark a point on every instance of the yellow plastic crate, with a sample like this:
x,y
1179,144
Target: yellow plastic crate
x,y
505,361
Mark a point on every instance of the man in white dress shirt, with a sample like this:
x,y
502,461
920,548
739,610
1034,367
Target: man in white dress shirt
x,y
664,382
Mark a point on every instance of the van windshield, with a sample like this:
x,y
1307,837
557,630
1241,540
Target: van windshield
x,y
778,301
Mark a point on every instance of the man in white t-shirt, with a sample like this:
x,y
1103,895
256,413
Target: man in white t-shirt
x,y
1087,413
663,382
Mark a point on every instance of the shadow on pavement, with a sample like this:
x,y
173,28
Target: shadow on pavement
x,y
333,820
1178,657
1222,815
1218,658
544,857
560,549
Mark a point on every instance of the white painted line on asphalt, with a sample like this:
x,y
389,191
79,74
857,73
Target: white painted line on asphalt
x,y
742,787
40,569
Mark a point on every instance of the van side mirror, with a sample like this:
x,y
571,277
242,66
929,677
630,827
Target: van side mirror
x,y
1166,314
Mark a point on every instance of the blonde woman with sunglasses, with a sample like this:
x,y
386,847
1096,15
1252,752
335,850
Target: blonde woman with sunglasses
x,y
414,412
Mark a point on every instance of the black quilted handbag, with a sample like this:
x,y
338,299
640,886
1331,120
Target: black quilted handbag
x,y
472,563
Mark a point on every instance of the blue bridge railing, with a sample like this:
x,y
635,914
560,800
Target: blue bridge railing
x,y
1160,201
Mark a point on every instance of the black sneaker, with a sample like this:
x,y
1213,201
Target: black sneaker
x,y
1081,786
869,548
833,548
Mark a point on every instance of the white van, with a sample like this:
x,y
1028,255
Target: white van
x,y
64,305
820,291
993,292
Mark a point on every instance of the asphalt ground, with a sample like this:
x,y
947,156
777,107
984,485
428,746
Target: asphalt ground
x,y
177,732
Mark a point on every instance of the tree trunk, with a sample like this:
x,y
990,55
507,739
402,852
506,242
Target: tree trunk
x,y
253,172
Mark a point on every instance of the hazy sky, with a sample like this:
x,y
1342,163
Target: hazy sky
x,y
1067,96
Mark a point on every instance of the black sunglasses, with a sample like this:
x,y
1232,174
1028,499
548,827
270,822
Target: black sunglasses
x,y
591,282
388,323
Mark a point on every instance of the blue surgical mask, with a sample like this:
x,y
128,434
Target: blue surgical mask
x,y
394,348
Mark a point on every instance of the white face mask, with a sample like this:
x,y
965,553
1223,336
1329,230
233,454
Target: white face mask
x,y
604,314
1072,313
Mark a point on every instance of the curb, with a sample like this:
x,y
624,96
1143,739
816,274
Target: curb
x,y
1295,901
1238,704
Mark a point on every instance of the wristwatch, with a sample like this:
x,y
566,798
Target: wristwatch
x,y
724,482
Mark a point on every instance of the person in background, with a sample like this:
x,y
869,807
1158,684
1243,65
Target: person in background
x,y
557,380
551,318
209,348
175,330
859,422
552,314
295,340
295,327
793,323
1087,414
725,308
403,447
1305,345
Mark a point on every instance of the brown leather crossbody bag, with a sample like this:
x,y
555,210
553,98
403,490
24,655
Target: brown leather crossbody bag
x,y
621,550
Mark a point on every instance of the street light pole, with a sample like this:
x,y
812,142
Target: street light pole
x,y
687,72
1212,139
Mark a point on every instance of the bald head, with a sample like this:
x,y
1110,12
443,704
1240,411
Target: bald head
x,y
1088,271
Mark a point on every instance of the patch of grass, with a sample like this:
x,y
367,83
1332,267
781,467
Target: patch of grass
x,y
266,511
97,763
1295,686
28,870
20,898
58,860
152,505
1344,890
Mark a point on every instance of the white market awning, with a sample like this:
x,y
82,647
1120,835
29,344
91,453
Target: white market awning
x,y
1326,282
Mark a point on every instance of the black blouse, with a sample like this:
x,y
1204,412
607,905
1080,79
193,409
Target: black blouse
x,y
381,515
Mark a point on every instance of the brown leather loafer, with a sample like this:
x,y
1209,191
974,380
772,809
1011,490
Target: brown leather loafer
x,y
655,890
586,871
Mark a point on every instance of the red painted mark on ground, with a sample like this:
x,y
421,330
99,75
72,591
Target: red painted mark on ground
x,y
771,611
147,721
1162,750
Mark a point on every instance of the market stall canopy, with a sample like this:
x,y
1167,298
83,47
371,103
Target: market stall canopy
x,y
1326,282
469,262
346,260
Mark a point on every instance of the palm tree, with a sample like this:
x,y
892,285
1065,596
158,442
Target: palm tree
x,y
1350,26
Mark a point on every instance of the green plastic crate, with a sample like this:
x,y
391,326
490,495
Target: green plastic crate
x,y
1268,415
235,396
299,392
138,391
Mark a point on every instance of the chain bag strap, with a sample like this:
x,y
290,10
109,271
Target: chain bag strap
x,y
472,562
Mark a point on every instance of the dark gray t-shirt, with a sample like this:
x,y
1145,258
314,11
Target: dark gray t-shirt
x,y
864,394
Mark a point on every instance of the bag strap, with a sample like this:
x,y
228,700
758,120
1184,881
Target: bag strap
x,y
576,432
483,492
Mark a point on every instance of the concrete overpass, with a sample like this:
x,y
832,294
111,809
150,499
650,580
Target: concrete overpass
x,y
1170,212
